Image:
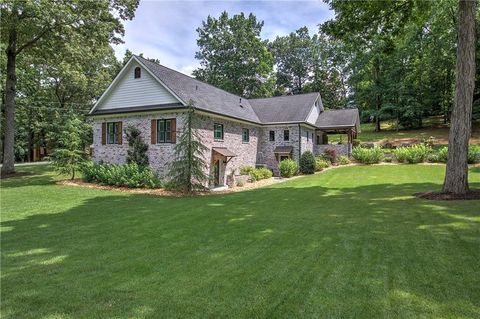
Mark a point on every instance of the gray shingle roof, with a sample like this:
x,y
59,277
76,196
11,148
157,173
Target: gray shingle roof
x,y
289,108
205,96
338,118
281,109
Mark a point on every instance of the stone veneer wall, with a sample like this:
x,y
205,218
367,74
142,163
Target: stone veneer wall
x,y
232,139
308,139
266,147
258,151
342,149
159,155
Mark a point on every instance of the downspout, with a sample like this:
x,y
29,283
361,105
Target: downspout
x,y
299,143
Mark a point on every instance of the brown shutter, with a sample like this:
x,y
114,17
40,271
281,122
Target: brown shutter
x,y
173,130
119,126
153,132
104,133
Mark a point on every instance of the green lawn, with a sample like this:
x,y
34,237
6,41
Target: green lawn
x,y
349,243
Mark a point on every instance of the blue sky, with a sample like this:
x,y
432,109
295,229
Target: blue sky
x,y
166,29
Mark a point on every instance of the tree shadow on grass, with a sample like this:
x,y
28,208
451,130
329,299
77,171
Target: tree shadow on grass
x,y
284,251
39,175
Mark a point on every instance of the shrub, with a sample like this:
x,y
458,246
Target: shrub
x,y
307,163
137,149
321,163
368,155
343,160
258,174
473,154
288,168
246,170
126,175
356,142
439,156
442,154
412,154
330,154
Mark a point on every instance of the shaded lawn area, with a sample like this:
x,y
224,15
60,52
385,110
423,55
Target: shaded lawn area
x,y
349,243
433,126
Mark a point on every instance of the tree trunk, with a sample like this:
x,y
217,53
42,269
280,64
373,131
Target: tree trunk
x,y
10,88
456,177
378,100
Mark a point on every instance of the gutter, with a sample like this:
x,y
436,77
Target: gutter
x,y
299,143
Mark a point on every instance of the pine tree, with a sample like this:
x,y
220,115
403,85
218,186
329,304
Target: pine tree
x,y
137,148
188,170
70,152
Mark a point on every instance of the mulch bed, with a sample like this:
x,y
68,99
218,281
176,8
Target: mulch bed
x,y
473,194
15,174
163,192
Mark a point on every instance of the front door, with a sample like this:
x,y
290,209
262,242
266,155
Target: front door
x,y
216,173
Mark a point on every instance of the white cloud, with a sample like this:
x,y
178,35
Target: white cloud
x,y
166,30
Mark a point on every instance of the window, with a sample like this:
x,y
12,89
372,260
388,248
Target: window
x,y
137,72
318,140
112,132
164,131
272,136
308,136
245,135
218,132
286,135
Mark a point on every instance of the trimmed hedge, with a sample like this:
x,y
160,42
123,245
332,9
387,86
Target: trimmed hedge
x,y
126,175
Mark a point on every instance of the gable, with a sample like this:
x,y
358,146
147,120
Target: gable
x,y
128,91
317,108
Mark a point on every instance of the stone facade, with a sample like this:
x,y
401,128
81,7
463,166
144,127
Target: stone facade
x,y
265,154
342,149
232,140
159,155
258,151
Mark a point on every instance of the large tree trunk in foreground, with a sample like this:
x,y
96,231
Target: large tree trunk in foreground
x,y
456,177
10,88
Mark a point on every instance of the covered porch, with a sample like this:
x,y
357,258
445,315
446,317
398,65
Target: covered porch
x,y
345,123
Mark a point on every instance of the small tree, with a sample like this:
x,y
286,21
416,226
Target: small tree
x,y
137,148
187,171
70,152
307,163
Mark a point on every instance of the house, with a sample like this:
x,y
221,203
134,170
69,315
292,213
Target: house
x,y
237,131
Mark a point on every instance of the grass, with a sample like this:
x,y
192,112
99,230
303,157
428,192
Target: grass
x,y
433,126
349,243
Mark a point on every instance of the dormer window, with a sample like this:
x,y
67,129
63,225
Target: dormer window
x,y
137,72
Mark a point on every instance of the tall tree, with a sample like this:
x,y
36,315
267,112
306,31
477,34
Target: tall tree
x,y
456,177
233,56
188,170
368,27
36,25
294,55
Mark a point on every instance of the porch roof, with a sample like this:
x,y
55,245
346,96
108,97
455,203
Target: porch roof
x,y
224,151
283,149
